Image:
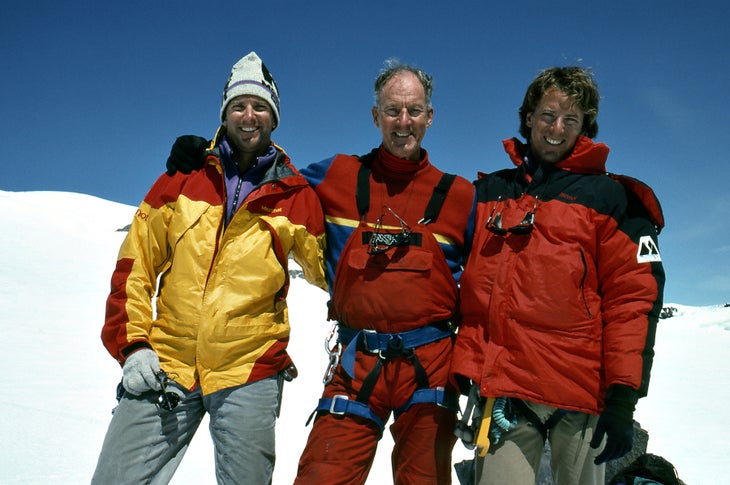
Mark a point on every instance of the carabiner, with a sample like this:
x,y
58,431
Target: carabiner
x,y
334,353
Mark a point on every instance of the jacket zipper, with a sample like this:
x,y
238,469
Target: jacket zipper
x,y
582,283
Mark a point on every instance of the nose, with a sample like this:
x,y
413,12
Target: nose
x,y
248,112
558,126
403,116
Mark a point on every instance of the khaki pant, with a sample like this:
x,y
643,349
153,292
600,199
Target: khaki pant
x,y
515,460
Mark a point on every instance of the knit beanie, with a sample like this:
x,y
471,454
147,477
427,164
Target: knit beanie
x,y
250,76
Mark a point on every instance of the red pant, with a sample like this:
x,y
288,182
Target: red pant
x,y
341,448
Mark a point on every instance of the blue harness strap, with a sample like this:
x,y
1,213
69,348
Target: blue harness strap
x,y
387,345
437,396
382,343
341,404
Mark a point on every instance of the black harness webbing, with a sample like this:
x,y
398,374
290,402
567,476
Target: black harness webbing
x,y
340,404
543,428
369,382
362,192
437,198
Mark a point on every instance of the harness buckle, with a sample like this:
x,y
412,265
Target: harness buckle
x,y
333,404
441,392
394,348
365,340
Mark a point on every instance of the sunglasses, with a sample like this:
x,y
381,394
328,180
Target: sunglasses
x,y
494,222
167,400
381,242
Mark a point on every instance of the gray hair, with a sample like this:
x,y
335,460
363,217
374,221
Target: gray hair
x,y
393,67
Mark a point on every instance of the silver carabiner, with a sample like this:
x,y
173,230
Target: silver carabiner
x,y
334,353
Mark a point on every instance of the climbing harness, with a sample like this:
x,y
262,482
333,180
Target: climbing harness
x,y
466,426
476,419
483,421
385,345
534,419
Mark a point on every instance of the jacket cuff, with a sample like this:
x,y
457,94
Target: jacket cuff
x,y
135,346
620,396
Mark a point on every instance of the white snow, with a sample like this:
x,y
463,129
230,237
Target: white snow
x,y
57,252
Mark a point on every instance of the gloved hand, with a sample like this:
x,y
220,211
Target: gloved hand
x,y
139,372
187,154
616,422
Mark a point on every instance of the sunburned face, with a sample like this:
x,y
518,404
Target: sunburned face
x,y
403,115
555,126
249,123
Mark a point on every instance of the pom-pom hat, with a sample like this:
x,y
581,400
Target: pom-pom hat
x,y
250,76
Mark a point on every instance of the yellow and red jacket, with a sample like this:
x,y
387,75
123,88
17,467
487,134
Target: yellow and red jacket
x,y
209,300
557,314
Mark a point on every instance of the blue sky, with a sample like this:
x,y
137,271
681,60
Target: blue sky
x,y
94,93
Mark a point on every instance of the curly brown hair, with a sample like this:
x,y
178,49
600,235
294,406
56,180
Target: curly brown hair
x,y
577,83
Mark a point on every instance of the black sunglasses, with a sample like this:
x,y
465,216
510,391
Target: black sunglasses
x,y
494,222
167,400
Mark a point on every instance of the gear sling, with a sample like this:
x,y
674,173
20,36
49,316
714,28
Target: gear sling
x,y
388,345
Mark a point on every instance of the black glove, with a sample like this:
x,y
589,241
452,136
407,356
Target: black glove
x,y
617,423
187,154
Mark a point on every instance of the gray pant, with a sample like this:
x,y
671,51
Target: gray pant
x,y
145,444
515,460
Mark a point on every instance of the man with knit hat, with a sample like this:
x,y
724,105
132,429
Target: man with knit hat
x,y
197,313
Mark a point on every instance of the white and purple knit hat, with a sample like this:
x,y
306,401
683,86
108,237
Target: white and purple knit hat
x,y
250,76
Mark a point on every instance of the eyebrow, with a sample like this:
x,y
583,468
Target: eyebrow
x,y
401,106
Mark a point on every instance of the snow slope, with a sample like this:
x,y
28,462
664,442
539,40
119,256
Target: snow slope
x,y
57,252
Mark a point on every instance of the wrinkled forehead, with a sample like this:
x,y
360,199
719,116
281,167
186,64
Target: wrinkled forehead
x,y
403,88
556,98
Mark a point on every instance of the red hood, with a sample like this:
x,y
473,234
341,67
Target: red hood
x,y
587,157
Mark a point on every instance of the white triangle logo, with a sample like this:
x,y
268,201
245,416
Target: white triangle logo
x,y
648,251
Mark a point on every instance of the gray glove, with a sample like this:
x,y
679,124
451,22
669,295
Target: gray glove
x,y
139,372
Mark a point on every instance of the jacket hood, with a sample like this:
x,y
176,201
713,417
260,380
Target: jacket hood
x,y
587,157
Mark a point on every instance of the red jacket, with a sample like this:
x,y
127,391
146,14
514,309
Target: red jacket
x,y
404,288
558,314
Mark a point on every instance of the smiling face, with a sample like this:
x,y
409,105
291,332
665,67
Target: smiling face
x,y
555,125
403,115
249,122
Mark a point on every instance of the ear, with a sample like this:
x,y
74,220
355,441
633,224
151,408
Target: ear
x,y
375,116
528,120
430,117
